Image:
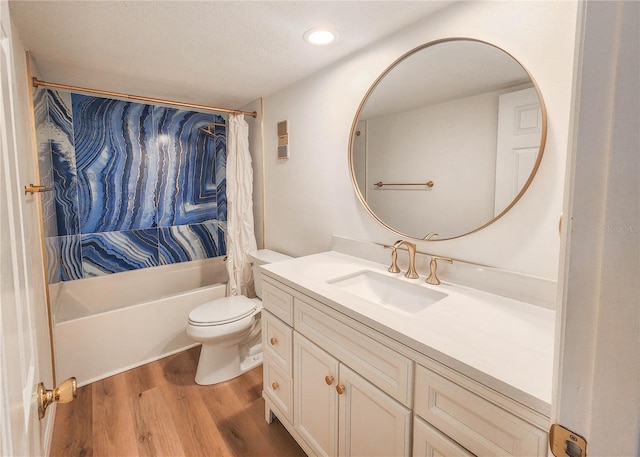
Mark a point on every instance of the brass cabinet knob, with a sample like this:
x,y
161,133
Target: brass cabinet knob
x,y
340,389
328,379
275,386
273,341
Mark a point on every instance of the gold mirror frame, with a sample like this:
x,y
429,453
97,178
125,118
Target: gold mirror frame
x,y
366,98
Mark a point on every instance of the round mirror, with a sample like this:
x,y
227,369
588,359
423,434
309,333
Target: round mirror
x,y
447,139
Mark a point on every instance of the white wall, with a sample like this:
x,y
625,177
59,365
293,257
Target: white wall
x,y
309,197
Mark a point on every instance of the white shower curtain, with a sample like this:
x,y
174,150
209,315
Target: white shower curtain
x,y
240,235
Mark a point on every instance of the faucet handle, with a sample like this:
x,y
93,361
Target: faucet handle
x,y
433,267
394,268
446,259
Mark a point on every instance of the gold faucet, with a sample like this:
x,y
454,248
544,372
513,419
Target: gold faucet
x,y
411,272
433,266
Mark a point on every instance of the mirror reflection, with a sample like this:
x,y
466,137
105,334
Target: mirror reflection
x,y
447,139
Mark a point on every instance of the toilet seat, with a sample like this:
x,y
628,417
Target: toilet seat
x,y
222,311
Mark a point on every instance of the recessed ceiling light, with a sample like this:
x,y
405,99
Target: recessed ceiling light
x,y
320,36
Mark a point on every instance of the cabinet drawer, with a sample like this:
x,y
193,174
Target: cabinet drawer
x,y
278,302
276,342
429,442
477,424
279,388
383,367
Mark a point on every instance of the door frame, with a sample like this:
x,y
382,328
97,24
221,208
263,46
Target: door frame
x,y
596,387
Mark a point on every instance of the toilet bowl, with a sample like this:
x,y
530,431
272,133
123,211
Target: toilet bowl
x,y
229,330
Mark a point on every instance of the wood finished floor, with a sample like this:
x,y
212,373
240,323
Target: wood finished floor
x,y
158,410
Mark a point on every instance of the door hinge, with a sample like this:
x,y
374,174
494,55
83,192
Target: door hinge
x,y
565,443
34,189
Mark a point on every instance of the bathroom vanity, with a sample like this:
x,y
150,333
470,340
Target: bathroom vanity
x,y
360,361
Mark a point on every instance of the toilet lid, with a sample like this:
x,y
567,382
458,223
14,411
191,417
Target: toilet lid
x,y
222,310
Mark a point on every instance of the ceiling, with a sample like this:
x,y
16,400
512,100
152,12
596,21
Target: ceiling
x,y
222,53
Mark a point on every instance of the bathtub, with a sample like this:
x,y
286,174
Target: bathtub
x,y
109,324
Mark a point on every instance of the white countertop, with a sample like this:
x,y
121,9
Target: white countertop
x,y
505,344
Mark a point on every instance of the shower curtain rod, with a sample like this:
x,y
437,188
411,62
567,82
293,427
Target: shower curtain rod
x,y
37,82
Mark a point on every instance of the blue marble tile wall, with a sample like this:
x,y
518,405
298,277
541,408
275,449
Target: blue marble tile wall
x,y
135,185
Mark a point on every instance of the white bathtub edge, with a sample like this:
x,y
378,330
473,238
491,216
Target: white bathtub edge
x,y
105,344
136,365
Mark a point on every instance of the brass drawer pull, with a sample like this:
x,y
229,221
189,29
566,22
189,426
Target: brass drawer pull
x,y
340,389
328,379
273,341
275,386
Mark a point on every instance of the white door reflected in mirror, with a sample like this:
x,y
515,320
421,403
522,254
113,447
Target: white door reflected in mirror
x,y
519,130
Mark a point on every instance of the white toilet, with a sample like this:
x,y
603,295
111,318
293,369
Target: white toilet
x,y
229,329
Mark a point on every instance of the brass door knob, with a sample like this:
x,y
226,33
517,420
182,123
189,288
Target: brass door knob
x,y
275,386
64,393
328,379
273,341
340,389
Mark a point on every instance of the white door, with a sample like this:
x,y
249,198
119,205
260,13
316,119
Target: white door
x,y
371,423
19,375
519,134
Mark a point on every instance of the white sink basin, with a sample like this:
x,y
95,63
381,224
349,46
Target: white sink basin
x,y
388,291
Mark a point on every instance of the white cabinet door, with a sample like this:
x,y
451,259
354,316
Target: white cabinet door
x,y
362,420
371,423
315,399
429,442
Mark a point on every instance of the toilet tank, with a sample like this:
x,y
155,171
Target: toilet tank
x,y
263,257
